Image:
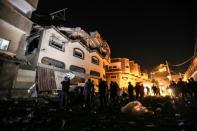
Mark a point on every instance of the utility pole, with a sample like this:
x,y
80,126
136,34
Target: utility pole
x,y
195,48
168,69
59,14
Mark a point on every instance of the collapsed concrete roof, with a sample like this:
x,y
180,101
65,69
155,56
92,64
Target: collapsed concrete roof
x,y
92,40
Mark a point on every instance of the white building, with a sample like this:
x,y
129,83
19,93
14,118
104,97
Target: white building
x,y
61,50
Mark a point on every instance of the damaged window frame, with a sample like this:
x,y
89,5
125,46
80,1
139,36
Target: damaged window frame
x,y
95,60
78,53
77,69
53,62
95,73
32,43
113,76
55,43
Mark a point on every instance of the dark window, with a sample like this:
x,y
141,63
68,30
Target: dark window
x,y
78,53
95,60
127,66
56,43
95,73
114,67
110,67
113,76
77,69
32,44
52,62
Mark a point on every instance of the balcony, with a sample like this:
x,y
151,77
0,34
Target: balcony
x,y
33,3
113,70
10,15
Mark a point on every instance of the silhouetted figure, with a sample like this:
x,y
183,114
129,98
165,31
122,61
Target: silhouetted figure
x,y
190,87
194,87
141,90
88,91
93,95
147,90
137,90
130,91
154,89
102,93
172,87
158,93
181,88
65,95
112,92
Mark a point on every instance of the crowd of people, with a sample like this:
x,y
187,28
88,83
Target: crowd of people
x,y
184,89
112,94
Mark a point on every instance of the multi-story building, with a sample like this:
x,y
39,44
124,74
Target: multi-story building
x,y
15,26
122,71
54,52
192,70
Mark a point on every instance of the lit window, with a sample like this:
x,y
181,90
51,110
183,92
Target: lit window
x,y
95,73
4,44
53,62
113,76
125,78
77,69
95,60
78,53
56,43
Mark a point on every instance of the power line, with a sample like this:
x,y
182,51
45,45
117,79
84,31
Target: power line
x,y
189,59
182,63
195,48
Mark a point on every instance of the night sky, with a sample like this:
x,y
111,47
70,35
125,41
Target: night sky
x,y
146,32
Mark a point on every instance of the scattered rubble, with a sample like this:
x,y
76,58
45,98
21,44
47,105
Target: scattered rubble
x,y
136,108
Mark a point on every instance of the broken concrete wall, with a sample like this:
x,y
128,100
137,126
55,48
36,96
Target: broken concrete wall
x,y
8,71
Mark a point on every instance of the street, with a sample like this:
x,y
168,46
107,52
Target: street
x,y
45,114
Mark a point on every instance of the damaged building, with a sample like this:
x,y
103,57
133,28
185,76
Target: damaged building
x,y
15,27
52,52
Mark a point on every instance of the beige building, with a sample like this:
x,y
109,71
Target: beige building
x,y
15,26
55,51
192,70
122,71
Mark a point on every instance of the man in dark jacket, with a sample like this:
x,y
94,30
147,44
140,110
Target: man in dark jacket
x,y
130,91
65,96
88,93
102,93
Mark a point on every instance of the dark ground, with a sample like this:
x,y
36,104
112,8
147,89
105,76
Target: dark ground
x,y
45,114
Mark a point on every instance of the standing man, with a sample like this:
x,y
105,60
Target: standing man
x,y
130,91
65,95
88,90
141,90
102,93
137,90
